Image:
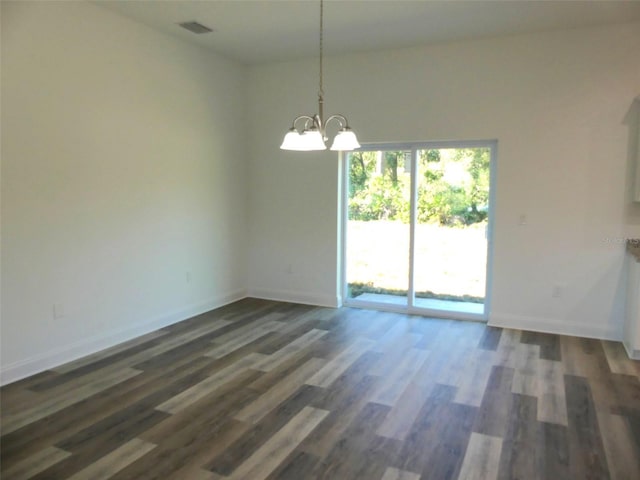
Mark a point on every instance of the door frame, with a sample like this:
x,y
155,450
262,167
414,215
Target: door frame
x,y
343,206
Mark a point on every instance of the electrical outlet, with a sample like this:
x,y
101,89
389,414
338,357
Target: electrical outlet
x,y
187,277
556,291
522,220
58,310
289,269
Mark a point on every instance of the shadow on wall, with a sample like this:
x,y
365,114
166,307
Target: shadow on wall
x,y
632,190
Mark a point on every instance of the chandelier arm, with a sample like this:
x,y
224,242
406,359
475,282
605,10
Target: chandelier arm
x,y
341,119
306,118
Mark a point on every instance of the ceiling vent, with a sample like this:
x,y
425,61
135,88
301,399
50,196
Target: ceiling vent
x,y
195,27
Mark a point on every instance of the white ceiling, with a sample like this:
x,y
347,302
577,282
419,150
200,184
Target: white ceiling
x,y
252,31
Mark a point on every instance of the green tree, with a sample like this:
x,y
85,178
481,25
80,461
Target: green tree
x,y
378,191
478,189
358,172
378,195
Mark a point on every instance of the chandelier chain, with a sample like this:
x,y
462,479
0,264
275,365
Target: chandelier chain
x,y
321,91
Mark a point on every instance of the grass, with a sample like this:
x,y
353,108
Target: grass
x,y
357,289
450,262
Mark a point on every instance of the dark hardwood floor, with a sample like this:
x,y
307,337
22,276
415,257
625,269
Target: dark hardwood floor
x,y
266,390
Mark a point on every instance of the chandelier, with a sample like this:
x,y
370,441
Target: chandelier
x,y
314,134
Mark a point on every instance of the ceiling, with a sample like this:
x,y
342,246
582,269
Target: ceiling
x,y
276,30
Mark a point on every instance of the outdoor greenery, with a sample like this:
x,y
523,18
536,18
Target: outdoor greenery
x,y
453,186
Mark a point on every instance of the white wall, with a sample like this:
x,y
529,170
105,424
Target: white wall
x,y
123,168
556,103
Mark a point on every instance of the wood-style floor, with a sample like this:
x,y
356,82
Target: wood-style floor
x,y
266,390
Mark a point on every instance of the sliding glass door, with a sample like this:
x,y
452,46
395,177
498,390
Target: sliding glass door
x,y
417,227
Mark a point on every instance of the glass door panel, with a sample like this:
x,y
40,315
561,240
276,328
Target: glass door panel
x,y
377,226
450,239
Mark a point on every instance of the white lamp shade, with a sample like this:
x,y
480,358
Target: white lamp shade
x,y
304,142
292,141
345,141
312,140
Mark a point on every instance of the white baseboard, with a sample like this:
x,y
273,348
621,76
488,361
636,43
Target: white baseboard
x,y
559,327
67,353
305,298
634,354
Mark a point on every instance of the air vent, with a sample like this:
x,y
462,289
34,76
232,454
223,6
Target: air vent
x,y
195,27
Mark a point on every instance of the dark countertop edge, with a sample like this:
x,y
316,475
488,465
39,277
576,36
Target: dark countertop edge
x,y
633,247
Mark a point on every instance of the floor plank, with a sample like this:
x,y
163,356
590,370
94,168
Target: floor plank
x,y
114,461
52,404
255,411
482,459
336,367
289,350
209,385
36,463
267,458
552,451
622,458
587,457
518,457
397,381
395,474
399,420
